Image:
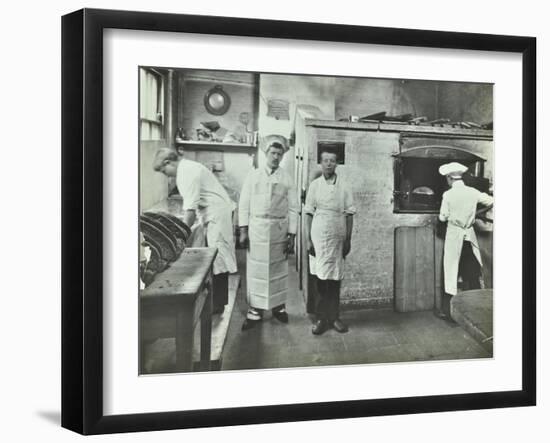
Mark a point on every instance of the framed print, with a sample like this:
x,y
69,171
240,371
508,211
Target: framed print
x,y
271,221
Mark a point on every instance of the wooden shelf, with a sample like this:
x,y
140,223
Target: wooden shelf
x,y
217,146
402,127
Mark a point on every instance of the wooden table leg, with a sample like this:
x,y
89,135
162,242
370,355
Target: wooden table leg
x,y
184,339
206,330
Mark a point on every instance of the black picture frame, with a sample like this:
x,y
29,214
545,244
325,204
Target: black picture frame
x,y
82,215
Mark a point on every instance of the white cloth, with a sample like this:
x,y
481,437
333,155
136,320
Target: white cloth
x,y
458,209
268,206
203,193
329,204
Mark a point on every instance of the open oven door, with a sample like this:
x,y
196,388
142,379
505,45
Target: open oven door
x,y
418,186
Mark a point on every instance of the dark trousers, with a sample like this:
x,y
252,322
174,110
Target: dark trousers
x,y
446,304
468,268
328,301
221,289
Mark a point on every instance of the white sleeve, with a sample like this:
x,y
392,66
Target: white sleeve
x,y
292,207
311,198
189,186
485,199
349,206
445,211
244,201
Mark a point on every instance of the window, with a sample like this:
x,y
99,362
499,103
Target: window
x,y
418,185
151,105
337,148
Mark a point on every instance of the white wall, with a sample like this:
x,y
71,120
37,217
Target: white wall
x,y
297,90
30,325
153,185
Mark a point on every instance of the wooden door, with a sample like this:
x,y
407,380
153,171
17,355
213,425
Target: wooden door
x,y
414,268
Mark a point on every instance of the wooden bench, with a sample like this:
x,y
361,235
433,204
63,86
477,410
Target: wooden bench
x,y
173,304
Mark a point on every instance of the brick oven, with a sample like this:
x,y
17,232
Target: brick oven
x,y
393,171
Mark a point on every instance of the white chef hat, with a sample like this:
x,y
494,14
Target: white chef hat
x,y
453,170
266,142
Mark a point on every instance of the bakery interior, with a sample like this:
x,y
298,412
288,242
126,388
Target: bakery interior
x,y
391,136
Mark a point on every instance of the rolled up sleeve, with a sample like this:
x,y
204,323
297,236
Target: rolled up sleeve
x,y
485,199
349,206
311,199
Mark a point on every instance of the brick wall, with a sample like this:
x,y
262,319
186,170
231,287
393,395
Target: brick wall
x,y
368,170
193,85
236,166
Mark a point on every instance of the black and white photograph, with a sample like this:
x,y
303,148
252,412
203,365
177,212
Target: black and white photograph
x,y
275,221
289,220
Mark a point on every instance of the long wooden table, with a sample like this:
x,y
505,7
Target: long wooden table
x,y
174,303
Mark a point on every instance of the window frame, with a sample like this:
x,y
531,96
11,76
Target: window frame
x,y
161,104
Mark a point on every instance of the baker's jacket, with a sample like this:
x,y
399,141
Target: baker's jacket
x,y
458,209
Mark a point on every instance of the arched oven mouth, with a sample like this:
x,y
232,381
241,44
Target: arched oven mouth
x,y
418,185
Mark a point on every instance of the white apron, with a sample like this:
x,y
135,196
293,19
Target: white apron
x,y
266,261
218,223
454,239
328,233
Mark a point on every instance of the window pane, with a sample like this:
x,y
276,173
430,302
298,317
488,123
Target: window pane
x,y
151,104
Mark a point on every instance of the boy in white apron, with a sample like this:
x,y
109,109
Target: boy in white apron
x,y
329,213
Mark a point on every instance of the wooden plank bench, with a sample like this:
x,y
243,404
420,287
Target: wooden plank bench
x,y
174,303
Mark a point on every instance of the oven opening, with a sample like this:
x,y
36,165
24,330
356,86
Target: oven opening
x,y
418,185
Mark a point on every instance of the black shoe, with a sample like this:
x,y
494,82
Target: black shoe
x,y
339,326
446,317
319,327
218,309
249,324
450,321
282,316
